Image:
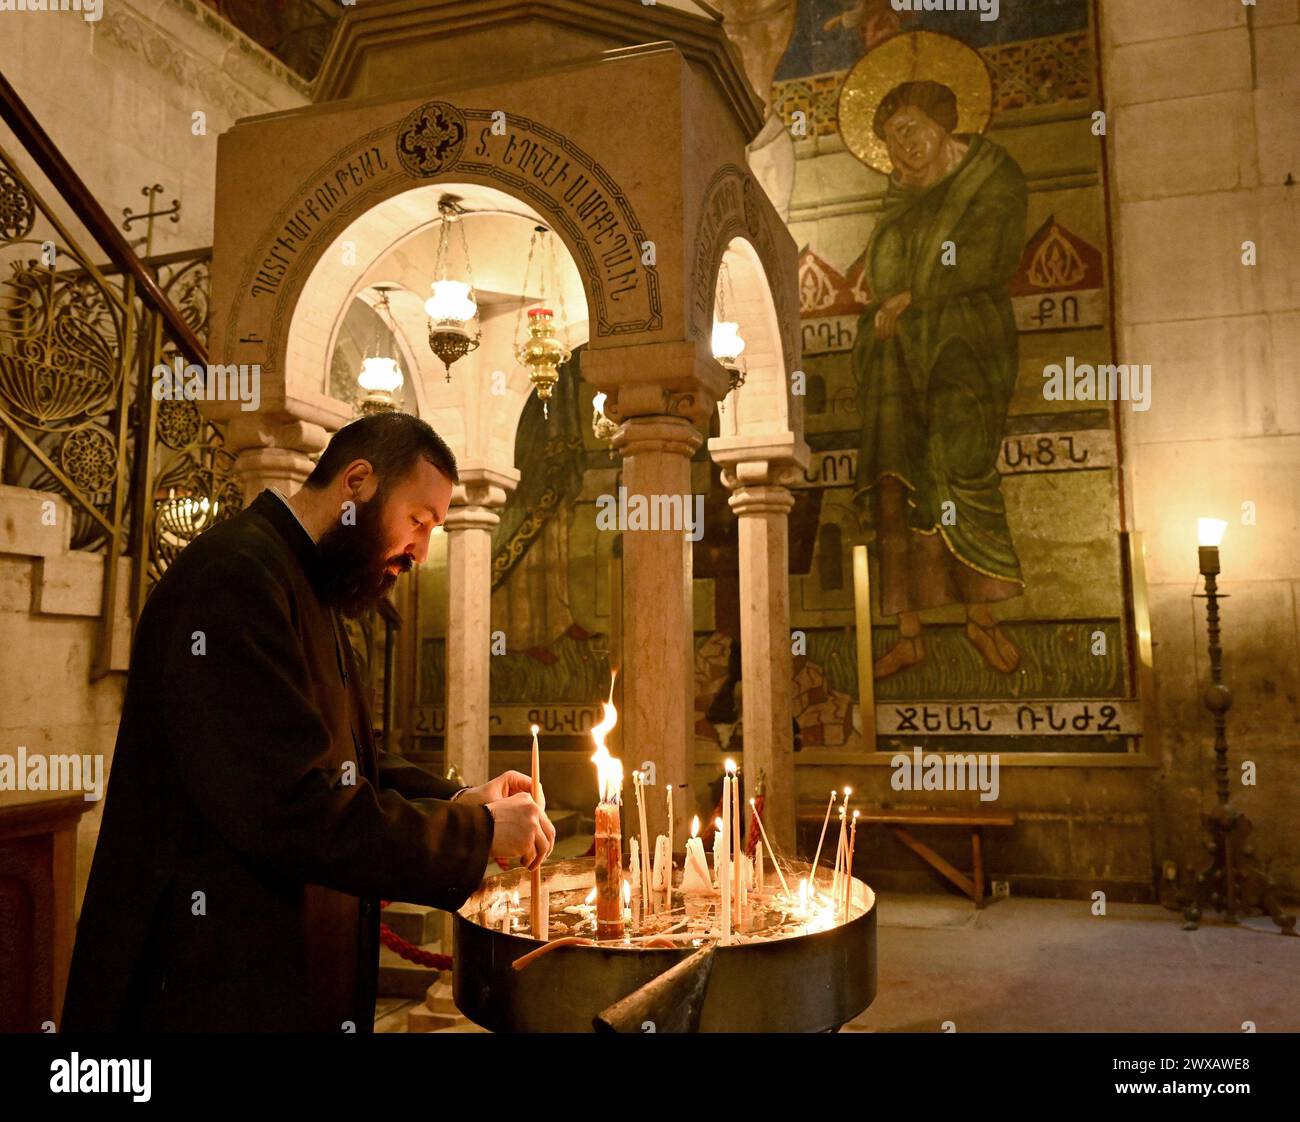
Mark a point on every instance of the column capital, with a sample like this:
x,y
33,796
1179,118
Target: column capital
x,y
766,459
481,488
272,451
754,500
675,379
640,435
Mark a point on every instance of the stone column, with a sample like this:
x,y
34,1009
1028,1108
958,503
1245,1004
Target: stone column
x,y
661,393
471,518
658,669
761,498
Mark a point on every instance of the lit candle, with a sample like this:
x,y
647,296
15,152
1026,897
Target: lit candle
x,y
836,882
627,902
695,872
842,848
848,868
609,830
538,905
724,854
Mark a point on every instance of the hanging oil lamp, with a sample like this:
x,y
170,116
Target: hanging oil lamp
x,y
380,376
543,350
454,328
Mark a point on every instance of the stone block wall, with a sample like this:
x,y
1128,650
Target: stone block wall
x,y
1204,104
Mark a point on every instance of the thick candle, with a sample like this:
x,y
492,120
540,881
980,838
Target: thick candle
x,y
609,832
609,871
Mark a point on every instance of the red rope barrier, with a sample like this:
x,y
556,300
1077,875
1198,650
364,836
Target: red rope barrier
x,y
408,950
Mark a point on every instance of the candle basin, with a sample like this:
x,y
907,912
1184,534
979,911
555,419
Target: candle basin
x,y
792,983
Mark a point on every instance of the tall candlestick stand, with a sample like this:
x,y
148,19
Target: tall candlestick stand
x,y
1233,884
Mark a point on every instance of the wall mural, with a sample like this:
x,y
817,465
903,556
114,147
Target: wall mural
x,y
954,242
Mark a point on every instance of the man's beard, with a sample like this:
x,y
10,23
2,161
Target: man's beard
x,y
352,561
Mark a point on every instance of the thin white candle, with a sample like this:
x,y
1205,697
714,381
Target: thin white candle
x,y
724,855
668,879
812,874
762,830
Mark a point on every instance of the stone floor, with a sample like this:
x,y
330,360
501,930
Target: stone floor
x,y
1024,965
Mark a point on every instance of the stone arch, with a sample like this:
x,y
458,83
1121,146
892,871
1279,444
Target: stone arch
x,y
763,405
373,192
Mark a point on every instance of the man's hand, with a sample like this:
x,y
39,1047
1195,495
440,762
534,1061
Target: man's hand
x,y
890,310
521,827
494,790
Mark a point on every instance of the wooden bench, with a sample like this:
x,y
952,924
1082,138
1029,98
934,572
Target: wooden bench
x,y
897,821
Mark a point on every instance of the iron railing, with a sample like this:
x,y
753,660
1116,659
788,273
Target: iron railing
x,y
82,327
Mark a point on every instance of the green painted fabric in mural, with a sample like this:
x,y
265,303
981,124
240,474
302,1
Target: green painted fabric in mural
x,y
549,456
934,396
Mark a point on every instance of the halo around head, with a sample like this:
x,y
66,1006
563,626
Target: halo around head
x,y
910,57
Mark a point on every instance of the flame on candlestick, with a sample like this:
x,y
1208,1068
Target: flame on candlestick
x,y
591,897
730,767
627,893
695,826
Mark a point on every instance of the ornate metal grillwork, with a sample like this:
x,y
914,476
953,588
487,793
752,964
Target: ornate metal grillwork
x,y
77,415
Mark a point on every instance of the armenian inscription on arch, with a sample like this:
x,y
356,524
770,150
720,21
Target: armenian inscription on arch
x,y
537,164
564,184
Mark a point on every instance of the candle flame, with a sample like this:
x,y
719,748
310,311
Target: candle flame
x,y
695,826
609,771
534,729
730,766
627,892
591,897
514,899
717,823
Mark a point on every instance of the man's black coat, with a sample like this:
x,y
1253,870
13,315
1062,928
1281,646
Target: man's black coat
x,y
251,827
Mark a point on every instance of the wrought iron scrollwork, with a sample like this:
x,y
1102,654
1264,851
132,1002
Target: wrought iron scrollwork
x,y
77,348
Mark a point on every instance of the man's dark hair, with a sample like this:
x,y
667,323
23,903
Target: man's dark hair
x,y
934,99
390,442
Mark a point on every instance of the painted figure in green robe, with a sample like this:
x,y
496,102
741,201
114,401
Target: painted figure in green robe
x,y
935,359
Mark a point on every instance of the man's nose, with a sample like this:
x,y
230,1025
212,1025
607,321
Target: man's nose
x,y
420,549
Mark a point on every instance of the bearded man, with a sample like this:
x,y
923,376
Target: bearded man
x,y
936,359
251,827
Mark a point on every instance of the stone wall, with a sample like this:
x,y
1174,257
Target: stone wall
x,y
1204,104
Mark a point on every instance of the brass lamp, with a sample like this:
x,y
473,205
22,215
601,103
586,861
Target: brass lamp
x,y
454,328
